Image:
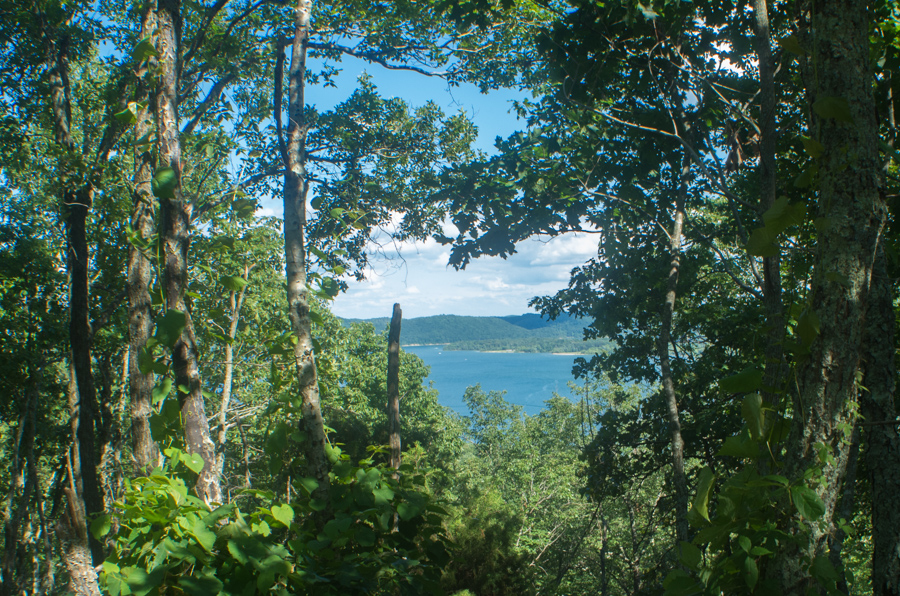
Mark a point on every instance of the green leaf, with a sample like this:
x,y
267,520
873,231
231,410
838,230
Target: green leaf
x,y
761,243
740,446
205,536
233,283
164,183
365,536
792,45
744,543
193,461
833,108
751,573
330,287
813,147
807,502
805,179
143,50
808,327
751,410
690,555
126,116
823,569
206,585
749,379
700,503
283,513
383,495
169,327
332,454
309,485
101,526
161,390
237,552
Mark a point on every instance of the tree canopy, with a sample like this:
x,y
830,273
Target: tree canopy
x,y
183,413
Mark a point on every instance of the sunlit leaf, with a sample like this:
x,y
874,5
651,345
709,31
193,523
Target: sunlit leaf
x,y
164,183
283,513
700,503
807,502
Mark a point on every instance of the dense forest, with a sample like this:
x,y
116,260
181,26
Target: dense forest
x,y
181,413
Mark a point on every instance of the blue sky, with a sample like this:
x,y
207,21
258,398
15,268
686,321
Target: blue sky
x,y
416,274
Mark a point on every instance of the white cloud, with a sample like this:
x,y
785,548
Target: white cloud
x,y
424,285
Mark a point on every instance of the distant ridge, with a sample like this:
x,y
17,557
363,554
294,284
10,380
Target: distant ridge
x,y
527,332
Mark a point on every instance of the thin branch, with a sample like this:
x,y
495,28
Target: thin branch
x,y
219,200
211,13
375,59
211,98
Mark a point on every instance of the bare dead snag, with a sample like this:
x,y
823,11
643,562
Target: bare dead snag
x,y
393,386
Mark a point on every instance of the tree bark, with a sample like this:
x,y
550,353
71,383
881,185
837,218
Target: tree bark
x,y
882,444
80,338
76,205
296,187
849,201
393,386
665,337
175,224
19,496
236,302
140,314
774,366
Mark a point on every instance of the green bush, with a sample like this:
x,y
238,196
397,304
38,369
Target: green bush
x,y
384,535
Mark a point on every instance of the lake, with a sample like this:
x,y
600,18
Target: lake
x,y
528,379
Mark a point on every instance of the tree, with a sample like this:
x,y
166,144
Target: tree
x,y
589,163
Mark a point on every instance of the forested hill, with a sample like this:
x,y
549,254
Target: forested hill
x,y
527,333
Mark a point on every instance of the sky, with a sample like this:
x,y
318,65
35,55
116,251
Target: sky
x,y
416,275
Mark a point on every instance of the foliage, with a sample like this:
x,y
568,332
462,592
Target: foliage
x,y
738,537
385,536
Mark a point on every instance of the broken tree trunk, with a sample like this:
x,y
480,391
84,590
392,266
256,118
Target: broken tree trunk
x,y
393,386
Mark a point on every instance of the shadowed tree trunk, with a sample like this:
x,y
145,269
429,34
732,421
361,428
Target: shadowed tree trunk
x,y
76,205
296,187
882,444
665,337
174,229
849,198
20,490
774,366
140,316
393,386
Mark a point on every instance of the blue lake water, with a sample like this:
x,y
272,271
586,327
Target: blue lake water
x,y
528,379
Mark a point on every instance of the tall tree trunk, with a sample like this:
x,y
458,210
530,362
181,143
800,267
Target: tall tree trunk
x,y
774,366
393,386
80,337
76,205
849,198
236,302
882,451
844,510
72,528
296,187
19,495
140,316
174,229
665,337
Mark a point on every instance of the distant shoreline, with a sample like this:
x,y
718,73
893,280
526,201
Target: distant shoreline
x,y
509,351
